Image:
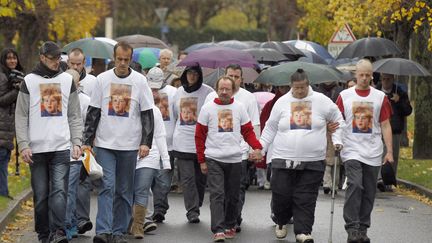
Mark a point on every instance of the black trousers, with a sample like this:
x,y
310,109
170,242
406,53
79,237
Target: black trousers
x,y
294,193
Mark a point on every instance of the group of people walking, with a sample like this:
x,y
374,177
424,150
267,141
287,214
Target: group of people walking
x,y
141,128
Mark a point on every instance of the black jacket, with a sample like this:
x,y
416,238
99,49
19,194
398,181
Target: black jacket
x,y
8,97
401,109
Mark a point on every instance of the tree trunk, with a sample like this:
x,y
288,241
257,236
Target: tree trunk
x,y
423,101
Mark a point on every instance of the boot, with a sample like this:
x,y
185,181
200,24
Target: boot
x,y
138,221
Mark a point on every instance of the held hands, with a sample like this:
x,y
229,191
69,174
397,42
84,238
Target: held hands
x,y
76,152
144,150
26,155
255,156
204,168
332,126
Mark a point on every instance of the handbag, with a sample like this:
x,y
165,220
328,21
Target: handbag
x,y
93,169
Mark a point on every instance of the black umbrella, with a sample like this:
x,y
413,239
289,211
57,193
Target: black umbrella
x,y
370,47
267,55
289,51
234,44
400,66
312,57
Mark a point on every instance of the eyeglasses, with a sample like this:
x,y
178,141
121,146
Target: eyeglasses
x,y
54,59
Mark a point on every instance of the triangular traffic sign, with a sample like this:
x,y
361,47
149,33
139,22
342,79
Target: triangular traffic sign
x,y
343,35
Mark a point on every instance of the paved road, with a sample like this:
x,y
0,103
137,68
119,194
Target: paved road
x,y
395,219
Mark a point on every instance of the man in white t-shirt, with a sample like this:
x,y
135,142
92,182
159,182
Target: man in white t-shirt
x,y
362,154
248,100
48,121
119,125
223,119
78,214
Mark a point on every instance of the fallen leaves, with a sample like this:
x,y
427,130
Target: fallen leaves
x,y
22,222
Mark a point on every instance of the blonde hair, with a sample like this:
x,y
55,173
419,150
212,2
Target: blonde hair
x,y
364,64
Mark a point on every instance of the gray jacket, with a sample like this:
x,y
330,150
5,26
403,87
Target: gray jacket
x,y
8,97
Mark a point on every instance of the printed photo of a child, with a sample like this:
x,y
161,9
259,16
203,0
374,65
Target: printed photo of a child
x,y
225,120
363,114
301,115
51,99
188,110
119,104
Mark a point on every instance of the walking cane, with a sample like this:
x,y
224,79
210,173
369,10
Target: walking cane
x,y
336,161
17,172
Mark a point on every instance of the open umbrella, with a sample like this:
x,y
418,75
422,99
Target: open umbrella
x,y
143,41
211,75
281,75
235,44
312,57
400,66
266,55
216,57
92,47
199,46
312,47
289,51
147,57
370,47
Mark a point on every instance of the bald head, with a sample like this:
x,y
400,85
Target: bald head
x,y
363,74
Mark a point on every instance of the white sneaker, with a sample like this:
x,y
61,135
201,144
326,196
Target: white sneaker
x,y
304,238
281,231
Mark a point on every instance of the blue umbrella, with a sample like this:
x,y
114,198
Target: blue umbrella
x,y
313,47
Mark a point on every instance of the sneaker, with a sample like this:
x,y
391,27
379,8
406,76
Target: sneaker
x,y
326,190
363,236
194,220
58,237
119,239
158,218
353,237
84,226
149,226
230,233
304,238
219,237
71,233
102,238
281,231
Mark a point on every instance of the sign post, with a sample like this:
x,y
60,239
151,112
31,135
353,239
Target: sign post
x,y
161,13
340,39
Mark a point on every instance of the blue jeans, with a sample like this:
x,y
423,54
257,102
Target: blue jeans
x,y
143,181
49,181
4,160
115,190
78,202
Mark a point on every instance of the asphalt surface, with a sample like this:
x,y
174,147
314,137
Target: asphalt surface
x,y
395,218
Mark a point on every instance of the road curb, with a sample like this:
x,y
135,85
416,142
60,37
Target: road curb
x,y
418,188
8,214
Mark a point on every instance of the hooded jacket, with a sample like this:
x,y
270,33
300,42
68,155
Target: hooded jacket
x,y
8,97
184,81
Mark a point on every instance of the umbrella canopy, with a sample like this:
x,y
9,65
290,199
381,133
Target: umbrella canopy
x,y
289,51
211,75
92,48
235,44
370,47
266,55
106,39
143,41
281,75
312,47
147,57
216,57
312,57
400,66
199,46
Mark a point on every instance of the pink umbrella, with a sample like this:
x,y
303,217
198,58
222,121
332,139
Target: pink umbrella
x,y
263,97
